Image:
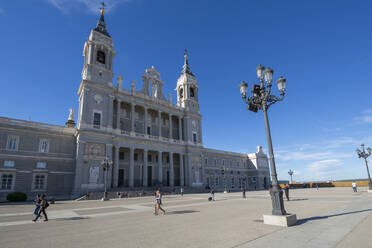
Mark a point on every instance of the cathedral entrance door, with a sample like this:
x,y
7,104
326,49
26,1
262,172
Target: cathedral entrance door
x,y
149,175
121,178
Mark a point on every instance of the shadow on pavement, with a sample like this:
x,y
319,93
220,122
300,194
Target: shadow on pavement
x,y
302,221
182,212
72,218
299,199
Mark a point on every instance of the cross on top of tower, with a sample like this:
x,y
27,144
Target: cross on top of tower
x,y
186,67
101,25
102,8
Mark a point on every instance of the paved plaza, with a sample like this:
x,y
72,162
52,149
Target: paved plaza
x,y
330,217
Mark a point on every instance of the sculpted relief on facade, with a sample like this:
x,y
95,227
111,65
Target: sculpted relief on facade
x,y
95,151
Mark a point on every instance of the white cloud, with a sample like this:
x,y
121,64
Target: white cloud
x,y
91,5
326,164
325,169
310,155
365,117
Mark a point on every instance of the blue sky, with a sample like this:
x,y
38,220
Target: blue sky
x,y
323,48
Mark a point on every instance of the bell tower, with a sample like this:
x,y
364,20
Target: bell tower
x,y
187,89
98,54
188,98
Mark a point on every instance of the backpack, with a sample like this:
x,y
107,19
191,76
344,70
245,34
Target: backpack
x,y
46,204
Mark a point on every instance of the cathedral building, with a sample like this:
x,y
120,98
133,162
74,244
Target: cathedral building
x,y
150,140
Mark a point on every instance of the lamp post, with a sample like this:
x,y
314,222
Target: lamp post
x,y
223,171
290,172
262,99
106,165
365,155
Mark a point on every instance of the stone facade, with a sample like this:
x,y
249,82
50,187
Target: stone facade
x,y
150,140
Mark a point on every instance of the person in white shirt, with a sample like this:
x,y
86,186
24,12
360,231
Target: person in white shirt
x,y
354,186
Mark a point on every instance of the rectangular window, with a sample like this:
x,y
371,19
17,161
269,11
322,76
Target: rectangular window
x,y
206,161
44,146
6,181
156,158
149,130
167,159
232,181
194,137
9,163
13,143
97,120
254,179
135,156
121,155
39,182
149,158
41,165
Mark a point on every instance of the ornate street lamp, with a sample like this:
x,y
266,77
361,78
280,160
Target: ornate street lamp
x,y
365,155
106,165
262,99
290,172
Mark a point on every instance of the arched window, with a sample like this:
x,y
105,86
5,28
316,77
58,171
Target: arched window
x,y
101,57
181,93
191,92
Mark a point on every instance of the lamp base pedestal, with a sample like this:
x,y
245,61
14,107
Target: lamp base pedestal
x,y
280,220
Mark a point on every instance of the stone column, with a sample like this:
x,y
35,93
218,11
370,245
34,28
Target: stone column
x,y
110,118
145,163
116,166
171,170
133,118
182,176
160,164
145,121
170,127
159,123
109,172
180,128
200,132
189,169
79,166
118,115
131,167
203,169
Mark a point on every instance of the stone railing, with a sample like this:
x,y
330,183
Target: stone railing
x,y
125,132
24,123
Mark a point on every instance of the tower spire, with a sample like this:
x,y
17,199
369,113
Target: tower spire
x,y
101,25
186,67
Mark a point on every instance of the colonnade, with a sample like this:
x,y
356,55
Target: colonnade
x,y
137,173
145,121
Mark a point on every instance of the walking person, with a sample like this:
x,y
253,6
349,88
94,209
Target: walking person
x,y
286,191
156,204
181,191
354,186
212,193
37,202
43,205
243,191
317,186
159,201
